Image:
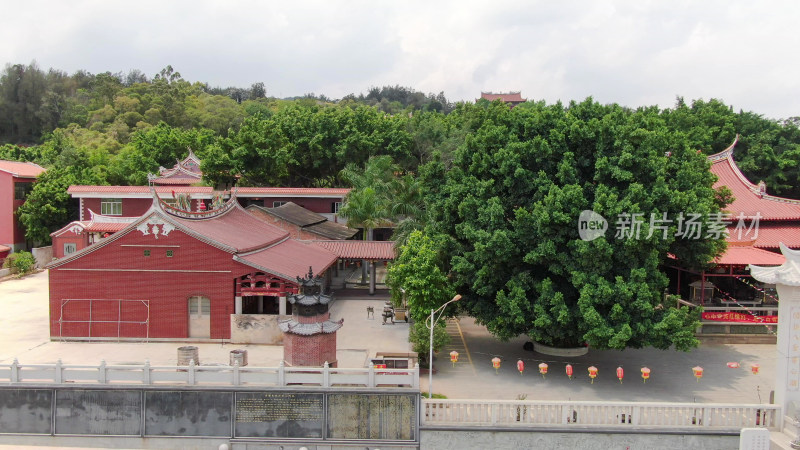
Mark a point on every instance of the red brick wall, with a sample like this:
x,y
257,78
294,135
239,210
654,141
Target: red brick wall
x,y
81,241
309,350
119,270
131,207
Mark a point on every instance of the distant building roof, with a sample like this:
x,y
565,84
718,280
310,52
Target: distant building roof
x,y
291,192
21,169
184,172
507,97
78,191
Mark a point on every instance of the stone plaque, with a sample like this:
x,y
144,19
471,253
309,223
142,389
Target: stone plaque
x,y
98,412
372,416
277,414
26,411
187,413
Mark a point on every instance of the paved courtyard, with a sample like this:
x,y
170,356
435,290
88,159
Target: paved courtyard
x,y
24,335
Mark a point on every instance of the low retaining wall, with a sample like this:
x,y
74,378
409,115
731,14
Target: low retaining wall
x,y
256,329
43,255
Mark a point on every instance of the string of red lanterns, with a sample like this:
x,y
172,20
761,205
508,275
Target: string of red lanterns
x,y
593,371
756,317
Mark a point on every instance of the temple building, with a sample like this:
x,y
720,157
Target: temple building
x,y
175,274
510,98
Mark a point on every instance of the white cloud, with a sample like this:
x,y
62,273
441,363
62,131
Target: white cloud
x,y
633,53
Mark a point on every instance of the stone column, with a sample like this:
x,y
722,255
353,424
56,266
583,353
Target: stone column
x,y
282,306
786,279
372,277
237,305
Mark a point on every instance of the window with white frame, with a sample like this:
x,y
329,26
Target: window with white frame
x,y
335,207
111,207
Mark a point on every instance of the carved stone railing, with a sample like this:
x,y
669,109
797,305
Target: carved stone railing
x,y
194,375
623,415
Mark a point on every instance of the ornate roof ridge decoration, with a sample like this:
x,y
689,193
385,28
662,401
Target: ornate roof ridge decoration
x,y
196,215
726,156
787,274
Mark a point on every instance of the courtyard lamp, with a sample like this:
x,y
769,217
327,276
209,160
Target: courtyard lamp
x,y
435,319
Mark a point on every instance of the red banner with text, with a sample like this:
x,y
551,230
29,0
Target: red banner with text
x,y
738,317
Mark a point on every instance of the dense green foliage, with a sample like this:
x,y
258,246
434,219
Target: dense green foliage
x,y
20,263
511,203
419,336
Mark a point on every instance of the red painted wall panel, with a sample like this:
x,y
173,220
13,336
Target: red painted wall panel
x,y
6,209
131,207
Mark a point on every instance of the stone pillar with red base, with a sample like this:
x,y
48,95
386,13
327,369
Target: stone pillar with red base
x,y
309,337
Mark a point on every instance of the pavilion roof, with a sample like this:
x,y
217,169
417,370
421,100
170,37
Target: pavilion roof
x,y
748,198
739,255
289,258
21,169
371,250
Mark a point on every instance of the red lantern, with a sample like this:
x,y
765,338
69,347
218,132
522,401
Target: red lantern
x,y
754,368
496,364
543,369
569,371
698,372
645,374
733,365
201,205
520,366
454,357
620,374
592,373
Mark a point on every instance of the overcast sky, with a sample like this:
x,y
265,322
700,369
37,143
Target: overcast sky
x,y
629,52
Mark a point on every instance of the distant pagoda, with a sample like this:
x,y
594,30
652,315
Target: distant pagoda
x,y
310,336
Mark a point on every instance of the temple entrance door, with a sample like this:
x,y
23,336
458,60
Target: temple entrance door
x,y
199,317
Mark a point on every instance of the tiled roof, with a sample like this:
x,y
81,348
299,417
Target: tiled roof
x,y
80,189
771,234
748,199
236,229
307,220
296,214
21,169
372,250
291,192
289,259
175,181
506,97
749,255
332,230
104,227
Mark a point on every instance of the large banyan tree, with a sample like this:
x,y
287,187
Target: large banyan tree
x,y
511,200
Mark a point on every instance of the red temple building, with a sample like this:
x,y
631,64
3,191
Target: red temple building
x,y
16,182
511,98
766,221
174,274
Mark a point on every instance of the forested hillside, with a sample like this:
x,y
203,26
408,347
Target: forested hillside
x,y
115,128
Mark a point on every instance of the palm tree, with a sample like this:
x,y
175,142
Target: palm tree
x,y
364,208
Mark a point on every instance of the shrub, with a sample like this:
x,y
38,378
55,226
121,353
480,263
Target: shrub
x,y
20,263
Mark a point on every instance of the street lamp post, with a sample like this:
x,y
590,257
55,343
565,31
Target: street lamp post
x,y
430,349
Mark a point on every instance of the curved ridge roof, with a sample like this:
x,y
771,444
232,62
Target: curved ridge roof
x,y
748,198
